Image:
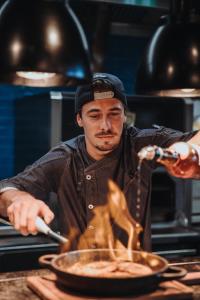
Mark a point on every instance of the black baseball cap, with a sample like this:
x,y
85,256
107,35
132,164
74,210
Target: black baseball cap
x,y
114,88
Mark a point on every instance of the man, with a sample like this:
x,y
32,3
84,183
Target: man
x,y
78,170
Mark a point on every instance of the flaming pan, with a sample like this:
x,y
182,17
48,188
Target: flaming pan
x,y
102,271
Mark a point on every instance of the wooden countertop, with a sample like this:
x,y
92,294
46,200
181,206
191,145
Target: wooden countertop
x,y
13,285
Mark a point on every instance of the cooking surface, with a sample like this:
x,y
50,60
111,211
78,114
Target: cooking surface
x,y
49,291
13,285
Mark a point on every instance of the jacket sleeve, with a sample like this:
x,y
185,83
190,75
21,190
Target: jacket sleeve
x,y
42,177
160,136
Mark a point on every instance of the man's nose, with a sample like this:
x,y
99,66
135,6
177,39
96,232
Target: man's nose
x,y
105,124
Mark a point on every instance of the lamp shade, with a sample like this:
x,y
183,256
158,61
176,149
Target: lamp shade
x,y
171,64
42,43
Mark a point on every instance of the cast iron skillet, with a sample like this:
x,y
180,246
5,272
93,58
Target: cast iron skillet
x,y
110,286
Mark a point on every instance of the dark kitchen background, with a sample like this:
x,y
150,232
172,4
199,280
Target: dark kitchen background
x,y
34,119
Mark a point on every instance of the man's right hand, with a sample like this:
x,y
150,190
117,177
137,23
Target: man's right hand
x,y
22,210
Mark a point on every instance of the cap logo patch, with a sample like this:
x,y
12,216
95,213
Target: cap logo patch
x,y
99,75
103,95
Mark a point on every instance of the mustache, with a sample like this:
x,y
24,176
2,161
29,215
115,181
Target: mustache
x,y
105,133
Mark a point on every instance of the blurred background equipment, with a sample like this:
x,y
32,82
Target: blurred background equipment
x,y
42,44
171,63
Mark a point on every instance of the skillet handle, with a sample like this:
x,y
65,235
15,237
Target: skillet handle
x,y
172,273
45,260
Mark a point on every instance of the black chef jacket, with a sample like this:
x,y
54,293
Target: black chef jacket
x,y
81,182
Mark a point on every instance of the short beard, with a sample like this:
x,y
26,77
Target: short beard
x,y
105,148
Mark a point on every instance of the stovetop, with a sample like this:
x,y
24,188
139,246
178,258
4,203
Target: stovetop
x,y
11,241
176,241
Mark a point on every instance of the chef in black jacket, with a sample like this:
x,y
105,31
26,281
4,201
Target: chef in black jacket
x,y
78,170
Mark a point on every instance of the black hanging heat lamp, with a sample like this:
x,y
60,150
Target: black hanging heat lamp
x,y
171,64
42,44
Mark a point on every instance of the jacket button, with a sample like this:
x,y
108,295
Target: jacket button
x,y
91,227
88,177
90,206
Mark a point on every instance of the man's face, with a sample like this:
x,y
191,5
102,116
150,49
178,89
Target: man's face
x,y
102,121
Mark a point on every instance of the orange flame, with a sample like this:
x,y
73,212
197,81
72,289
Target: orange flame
x,y
99,233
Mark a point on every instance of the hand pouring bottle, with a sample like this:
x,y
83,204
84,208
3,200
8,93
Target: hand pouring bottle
x,y
180,160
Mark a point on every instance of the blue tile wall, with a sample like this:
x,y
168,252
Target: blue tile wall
x,y
11,158
31,129
6,136
122,56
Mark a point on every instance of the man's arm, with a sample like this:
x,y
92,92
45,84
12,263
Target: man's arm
x,y
22,196
195,140
22,209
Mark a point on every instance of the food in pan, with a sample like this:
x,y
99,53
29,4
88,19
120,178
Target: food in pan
x,y
109,269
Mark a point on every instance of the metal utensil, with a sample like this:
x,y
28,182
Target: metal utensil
x,y
44,228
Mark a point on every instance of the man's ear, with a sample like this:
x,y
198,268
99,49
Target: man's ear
x,y
79,120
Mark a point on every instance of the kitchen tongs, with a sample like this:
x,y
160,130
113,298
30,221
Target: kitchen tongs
x,y
44,228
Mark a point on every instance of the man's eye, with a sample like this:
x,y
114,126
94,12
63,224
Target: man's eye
x,y
115,114
93,116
